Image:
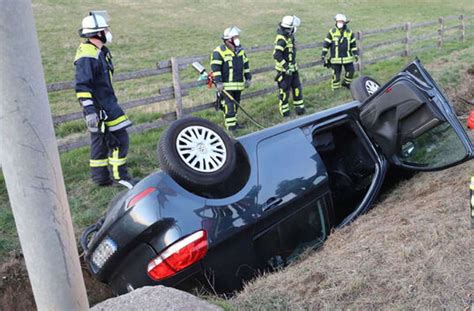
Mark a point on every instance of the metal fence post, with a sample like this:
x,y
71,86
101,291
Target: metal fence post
x,y
463,28
31,166
440,32
177,87
360,37
407,38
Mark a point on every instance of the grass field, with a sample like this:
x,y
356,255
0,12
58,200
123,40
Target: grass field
x,y
148,31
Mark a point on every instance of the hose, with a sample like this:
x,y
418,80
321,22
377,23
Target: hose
x,y
243,110
88,231
210,81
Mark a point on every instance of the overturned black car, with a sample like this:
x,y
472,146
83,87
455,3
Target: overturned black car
x,y
223,210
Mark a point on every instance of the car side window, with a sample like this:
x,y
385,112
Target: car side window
x,y
436,148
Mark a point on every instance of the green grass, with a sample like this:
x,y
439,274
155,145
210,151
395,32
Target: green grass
x,y
146,32
149,31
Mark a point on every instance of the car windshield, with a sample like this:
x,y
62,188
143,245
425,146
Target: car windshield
x,y
435,148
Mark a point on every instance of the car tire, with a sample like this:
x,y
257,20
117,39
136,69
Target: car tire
x,y
197,153
363,87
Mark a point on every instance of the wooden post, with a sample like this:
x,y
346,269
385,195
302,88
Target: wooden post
x,y
407,38
360,36
440,32
177,87
463,28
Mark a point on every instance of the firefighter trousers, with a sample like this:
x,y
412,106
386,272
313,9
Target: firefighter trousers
x,y
109,149
230,109
287,82
336,76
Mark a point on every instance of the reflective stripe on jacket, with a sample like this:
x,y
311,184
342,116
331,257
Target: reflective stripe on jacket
x,y
284,52
341,45
231,68
93,85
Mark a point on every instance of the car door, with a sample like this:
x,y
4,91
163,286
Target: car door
x,y
413,123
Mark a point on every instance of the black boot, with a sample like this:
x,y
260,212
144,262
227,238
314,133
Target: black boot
x,y
105,183
239,126
232,128
299,110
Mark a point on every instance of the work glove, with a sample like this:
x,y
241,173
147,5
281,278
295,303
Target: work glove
x,y
247,83
291,69
220,86
324,60
356,57
92,121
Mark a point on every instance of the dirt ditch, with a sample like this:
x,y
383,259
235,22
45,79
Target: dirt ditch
x,y
15,288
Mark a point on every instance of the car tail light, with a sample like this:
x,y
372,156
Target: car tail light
x,y
178,256
140,196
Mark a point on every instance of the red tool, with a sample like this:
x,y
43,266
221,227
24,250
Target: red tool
x,y
470,120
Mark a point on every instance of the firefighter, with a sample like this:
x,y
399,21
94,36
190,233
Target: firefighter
x,y
286,66
341,45
230,67
105,119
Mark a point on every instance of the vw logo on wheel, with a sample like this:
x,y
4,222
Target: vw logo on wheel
x,y
371,87
201,149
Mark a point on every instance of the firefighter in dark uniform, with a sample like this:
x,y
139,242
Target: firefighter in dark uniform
x,y
230,67
341,45
105,119
286,66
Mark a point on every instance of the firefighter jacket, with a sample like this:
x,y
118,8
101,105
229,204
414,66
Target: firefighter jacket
x,y
284,52
93,84
231,68
341,45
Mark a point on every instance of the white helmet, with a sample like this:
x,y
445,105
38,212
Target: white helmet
x,y
92,24
231,32
290,22
341,17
